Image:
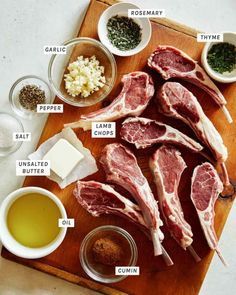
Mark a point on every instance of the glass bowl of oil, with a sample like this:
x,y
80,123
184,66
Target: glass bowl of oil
x,y
29,222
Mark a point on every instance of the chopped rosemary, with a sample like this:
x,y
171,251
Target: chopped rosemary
x,y
123,32
222,57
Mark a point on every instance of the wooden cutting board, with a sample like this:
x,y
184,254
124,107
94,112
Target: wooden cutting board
x,y
185,277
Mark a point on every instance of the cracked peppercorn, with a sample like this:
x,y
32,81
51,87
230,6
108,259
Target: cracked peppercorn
x,y
30,96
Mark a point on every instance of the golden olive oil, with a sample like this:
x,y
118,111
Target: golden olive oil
x,y
33,220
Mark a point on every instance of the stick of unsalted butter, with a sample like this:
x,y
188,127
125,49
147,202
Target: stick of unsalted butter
x,y
63,158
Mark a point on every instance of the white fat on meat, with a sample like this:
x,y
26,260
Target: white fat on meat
x,y
167,166
121,167
134,97
143,133
99,198
178,102
205,189
171,62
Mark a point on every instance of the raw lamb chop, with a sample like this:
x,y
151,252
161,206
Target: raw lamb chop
x,y
121,167
171,62
178,102
167,166
144,132
134,97
99,198
206,187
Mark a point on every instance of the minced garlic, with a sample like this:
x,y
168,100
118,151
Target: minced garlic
x,y
85,76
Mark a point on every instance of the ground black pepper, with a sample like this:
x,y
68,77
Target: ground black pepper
x,y
30,96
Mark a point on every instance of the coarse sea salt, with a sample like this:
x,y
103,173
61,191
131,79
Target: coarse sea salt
x,y
6,136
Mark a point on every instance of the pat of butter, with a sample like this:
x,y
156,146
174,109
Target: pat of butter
x,y
63,158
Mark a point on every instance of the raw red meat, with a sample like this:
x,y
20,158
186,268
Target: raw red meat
x,y
121,167
134,97
167,166
144,132
171,62
206,187
99,198
178,102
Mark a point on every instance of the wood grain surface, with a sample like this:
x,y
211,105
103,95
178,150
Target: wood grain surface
x,y
185,277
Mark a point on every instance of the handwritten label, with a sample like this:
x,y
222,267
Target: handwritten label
x,y
21,136
50,108
54,49
66,222
127,271
201,37
32,167
142,13
103,130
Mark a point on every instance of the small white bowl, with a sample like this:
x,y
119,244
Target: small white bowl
x,y
7,239
121,9
229,37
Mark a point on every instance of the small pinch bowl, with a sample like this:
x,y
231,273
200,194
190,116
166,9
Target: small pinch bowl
x,y
14,95
229,37
121,9
5,120
85,249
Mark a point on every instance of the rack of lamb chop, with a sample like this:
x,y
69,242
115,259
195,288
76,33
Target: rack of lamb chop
x,y
99,198
178,102
171,62
134,97
167,166
143,133
205,189
121,167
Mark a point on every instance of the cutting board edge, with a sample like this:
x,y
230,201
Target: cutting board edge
x,y
62,274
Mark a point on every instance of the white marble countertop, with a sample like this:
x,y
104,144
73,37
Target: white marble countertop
x,y
28,25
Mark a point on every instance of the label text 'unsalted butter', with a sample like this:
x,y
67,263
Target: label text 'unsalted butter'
x,y
32,167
